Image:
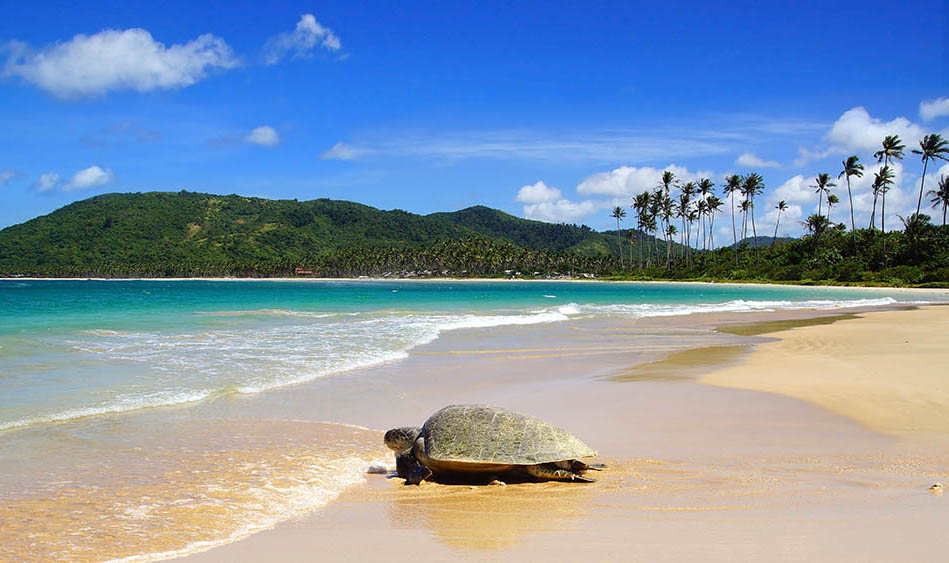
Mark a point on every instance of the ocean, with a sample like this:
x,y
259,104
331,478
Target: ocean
x,y
107,450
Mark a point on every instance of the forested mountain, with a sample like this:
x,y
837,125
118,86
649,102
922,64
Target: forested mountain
x,y
186,233
538,235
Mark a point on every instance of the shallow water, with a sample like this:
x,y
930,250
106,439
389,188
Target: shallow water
x,y
70,349
91,469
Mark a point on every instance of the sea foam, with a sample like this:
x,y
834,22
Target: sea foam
x,y
273,348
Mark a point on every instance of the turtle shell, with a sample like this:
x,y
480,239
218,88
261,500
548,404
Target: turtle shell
x,y
492,435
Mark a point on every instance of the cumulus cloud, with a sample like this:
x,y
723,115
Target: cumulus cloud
x,y
91,177
7,175
931,109
341,151
560,211
46,182
626,181
116,60
538,193
795,190
300,42
753,161
857,130
264,135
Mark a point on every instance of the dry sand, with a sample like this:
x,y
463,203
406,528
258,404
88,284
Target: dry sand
x,y
832,463
887,370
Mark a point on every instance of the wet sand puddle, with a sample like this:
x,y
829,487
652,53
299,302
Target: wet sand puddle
x,y
222,482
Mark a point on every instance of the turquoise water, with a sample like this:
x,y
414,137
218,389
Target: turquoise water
x,y
71,349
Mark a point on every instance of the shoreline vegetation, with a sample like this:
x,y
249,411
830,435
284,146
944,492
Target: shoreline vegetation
x,y
195,235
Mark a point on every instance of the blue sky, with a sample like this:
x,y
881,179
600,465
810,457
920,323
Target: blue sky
x,y
549,110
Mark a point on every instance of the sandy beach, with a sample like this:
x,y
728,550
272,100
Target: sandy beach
x,y
815,442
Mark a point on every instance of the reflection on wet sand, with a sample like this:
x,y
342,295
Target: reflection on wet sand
x,y
758,491
490,517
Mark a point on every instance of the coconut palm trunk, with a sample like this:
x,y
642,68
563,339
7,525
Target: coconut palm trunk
x,y
883,223
734,232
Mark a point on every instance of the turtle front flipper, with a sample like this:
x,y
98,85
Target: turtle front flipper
x,y
577,465
408,467
551,471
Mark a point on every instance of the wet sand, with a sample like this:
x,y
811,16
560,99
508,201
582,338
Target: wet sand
x,y
713,456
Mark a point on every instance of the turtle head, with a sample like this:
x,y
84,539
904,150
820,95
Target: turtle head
x,y
401,439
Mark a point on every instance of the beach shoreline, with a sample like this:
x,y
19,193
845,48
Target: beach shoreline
x,y
759,475
630,384
922,290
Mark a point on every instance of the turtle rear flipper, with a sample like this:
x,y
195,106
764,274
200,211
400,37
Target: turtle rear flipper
x,y
551,471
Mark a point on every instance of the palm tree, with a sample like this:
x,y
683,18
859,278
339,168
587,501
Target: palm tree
x,y
668,211
732,185
702,208
781,206
822,187
873,214
817,224
913,227
832,200
892,148
630,238
752,186
682,211
667,181
931,146
714,206
649,223
941,197
881,184
618,214
852,167
641,205
655,209
705,190
744,207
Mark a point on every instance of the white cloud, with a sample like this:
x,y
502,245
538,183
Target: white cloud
x,y
46,182
561,211
301,41
7,175
626,181
795,190
538,193
341,151
857,130
788,223
91,177
264,135
117,60
804,156
753,161
932,109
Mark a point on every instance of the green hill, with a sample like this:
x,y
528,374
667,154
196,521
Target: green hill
x,y
538,235
186,233
183,226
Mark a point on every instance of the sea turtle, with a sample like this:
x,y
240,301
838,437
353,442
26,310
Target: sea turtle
x,y
462,440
